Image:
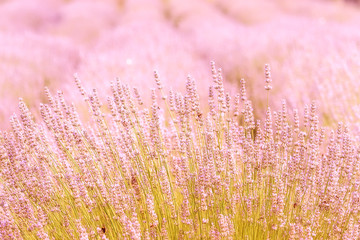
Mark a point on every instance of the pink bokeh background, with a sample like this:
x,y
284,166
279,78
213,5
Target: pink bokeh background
x,y
313,48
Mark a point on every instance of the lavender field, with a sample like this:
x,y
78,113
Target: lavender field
x,y
179,119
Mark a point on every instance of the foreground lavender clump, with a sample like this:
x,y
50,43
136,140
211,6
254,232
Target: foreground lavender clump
x,y
175,171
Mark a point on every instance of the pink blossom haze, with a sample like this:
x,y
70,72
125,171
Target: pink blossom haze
x,y
311,46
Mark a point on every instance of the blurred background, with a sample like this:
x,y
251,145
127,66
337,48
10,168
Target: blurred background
x,y
313,48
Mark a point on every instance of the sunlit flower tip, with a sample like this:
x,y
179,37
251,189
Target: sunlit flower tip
x,y
157,80
268,79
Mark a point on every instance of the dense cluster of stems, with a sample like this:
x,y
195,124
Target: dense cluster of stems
x,y
176,170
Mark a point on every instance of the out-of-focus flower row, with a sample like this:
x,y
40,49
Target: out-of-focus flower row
x,y
313,47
